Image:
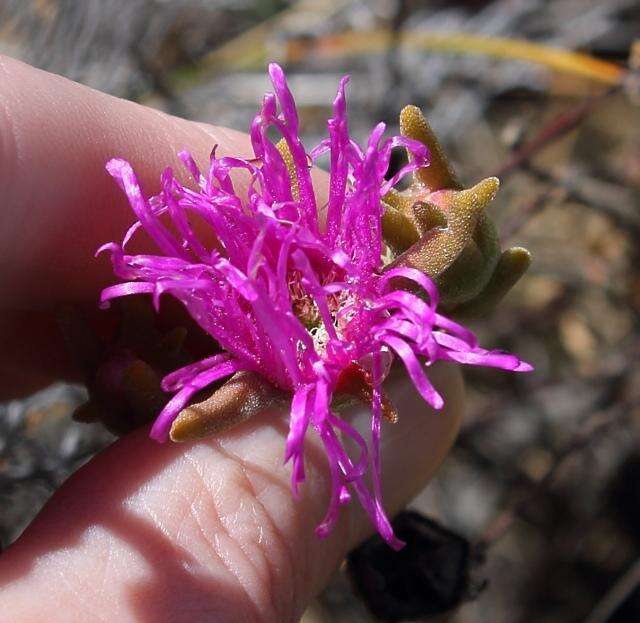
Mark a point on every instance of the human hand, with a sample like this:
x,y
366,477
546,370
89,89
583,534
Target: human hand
x,y
146,532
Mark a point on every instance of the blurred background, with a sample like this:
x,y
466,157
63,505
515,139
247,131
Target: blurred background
x,y
543,486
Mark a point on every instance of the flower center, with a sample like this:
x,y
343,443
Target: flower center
x,y
306,309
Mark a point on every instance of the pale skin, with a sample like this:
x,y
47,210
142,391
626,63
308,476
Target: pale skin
x,y
206,531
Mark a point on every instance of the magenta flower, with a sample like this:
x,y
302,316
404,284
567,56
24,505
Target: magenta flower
x,y
295,298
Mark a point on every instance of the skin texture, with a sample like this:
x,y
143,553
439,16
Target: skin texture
x,y
204,531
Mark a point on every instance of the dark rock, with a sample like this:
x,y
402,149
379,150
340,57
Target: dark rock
x,y
429,576
625,494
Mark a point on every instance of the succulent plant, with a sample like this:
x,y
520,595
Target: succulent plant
x,y
307,307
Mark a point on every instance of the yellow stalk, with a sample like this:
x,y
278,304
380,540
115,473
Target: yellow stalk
x,y
247,52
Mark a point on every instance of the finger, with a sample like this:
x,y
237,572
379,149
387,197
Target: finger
x,y
208,531
59,205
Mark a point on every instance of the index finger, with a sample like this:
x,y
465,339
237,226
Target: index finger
x,y
58,205
58,202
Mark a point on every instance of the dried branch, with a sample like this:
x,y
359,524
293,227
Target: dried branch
x,y
554,130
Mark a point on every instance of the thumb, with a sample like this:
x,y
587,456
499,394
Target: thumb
x,y
209,531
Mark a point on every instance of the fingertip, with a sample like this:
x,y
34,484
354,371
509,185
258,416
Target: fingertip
x,y
59,204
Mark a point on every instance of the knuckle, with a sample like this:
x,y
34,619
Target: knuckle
x,y
269,551
240,527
